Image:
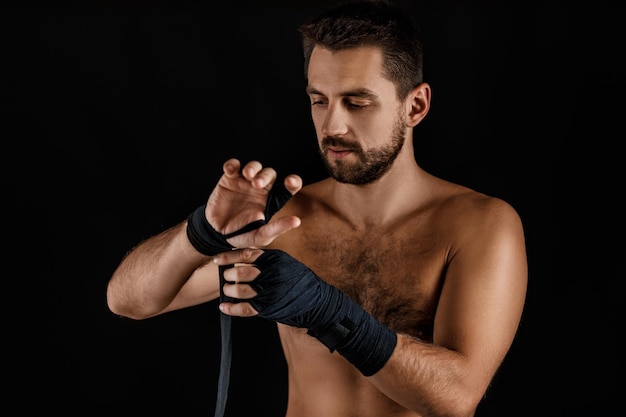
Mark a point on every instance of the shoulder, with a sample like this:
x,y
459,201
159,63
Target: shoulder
x,y
471,210
310,198
467,220
484,228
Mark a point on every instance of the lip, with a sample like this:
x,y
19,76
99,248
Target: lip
x,y
338,152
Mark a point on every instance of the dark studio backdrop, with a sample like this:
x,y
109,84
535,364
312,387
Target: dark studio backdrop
x,y
118,116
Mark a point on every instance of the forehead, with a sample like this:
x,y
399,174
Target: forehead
x,y
334,72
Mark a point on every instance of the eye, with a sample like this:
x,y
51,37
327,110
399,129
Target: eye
x,y
318,100
356,104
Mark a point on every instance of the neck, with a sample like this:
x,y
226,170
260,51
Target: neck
x,y
384,200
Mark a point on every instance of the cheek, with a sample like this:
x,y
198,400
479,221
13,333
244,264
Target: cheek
x,y
373,129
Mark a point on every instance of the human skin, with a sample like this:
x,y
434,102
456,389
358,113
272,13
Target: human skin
x,y
440,264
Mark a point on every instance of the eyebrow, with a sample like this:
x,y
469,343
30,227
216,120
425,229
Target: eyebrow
x,y
358,92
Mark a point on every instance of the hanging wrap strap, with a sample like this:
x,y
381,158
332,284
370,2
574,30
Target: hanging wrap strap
x,y
226,353
210,242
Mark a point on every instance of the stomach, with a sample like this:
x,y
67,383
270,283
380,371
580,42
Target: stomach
x,y
322,383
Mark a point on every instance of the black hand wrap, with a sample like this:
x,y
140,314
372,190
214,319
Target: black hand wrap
x,y
210,242
290,293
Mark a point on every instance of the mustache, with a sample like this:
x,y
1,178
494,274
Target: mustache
x,y
342,143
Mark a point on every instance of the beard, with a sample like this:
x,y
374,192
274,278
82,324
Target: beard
x,y
371,165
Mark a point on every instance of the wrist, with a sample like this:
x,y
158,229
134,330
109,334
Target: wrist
x,y
354,333
203,237
370,346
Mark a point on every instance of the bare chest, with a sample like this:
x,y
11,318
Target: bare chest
x,y
396,276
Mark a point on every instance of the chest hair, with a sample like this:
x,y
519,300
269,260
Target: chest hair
x,y
396,279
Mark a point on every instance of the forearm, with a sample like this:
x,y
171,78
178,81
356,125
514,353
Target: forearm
x,y
153,273
430,379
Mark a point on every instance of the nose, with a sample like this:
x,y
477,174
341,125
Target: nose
x,y
334,122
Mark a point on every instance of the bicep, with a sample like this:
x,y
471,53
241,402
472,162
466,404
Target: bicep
x,y
484,292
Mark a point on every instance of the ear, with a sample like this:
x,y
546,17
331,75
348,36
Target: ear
x,y
418,104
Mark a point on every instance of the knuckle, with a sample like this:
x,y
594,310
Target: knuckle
x,y
248,310
246,273
240,291
239,273
246,253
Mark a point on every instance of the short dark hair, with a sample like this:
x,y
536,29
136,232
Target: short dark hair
x,y
375,23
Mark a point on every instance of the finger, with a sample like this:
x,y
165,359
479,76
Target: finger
x,y
238,309
245,256
262,236
241,273
267,233
265,178
251,169
293,183
239,291
231,167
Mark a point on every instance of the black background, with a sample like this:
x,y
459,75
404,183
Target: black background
x,y
117,118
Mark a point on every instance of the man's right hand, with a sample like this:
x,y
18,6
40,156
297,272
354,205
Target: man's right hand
x,y
240,198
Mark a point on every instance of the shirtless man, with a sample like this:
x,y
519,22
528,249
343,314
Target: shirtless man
x,y
435,273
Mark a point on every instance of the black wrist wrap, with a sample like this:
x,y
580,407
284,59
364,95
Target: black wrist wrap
x,y
343,325
290,293
203,236
276,199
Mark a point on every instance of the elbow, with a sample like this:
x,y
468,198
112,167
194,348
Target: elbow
x,y
464,407
453,399
463,404
121,309
123,305
458,407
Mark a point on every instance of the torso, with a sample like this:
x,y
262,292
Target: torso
x,y
395,271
